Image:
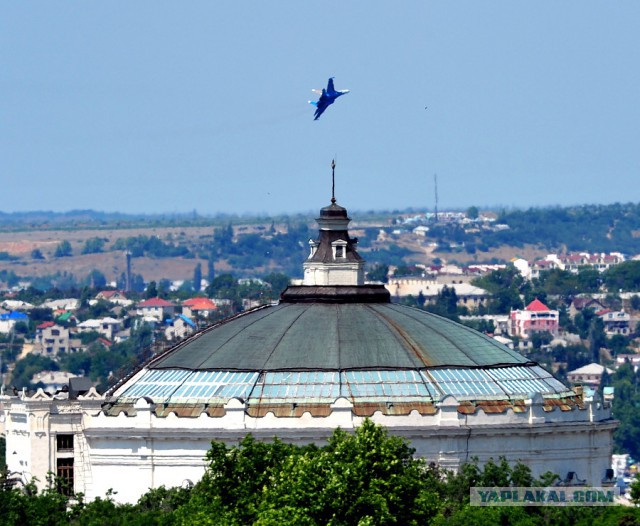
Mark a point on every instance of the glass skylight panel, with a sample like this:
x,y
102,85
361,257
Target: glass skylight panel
x,y
384,384
222,385
156,384
525,387
466,382
556,385
298,386
526,380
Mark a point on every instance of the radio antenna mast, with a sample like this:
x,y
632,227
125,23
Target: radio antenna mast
x,y
435,181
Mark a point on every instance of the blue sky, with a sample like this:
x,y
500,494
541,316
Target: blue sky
x,y
174,106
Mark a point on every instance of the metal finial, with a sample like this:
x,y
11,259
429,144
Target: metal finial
x,y
333,181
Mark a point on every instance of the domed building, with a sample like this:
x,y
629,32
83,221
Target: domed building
x,y
332,352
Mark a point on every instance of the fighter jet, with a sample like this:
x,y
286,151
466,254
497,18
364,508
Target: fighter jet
x,y
327,97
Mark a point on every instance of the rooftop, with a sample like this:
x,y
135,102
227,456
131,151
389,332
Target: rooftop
x,y
155,302
536,306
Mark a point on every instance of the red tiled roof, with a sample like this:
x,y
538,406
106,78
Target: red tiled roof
x,y
200,304
536,305
45,325
155,302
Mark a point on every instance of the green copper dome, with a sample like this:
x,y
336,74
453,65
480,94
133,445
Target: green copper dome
x,y
338,336
335,337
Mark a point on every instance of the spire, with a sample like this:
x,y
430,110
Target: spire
x,y
333,258
333,181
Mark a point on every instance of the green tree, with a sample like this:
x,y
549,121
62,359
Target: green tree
x,y
597,338
211,272
223,237
446,304
163,288
473,212
3,453
30,365
197,278
224,286
540,339
36,253
625,408
618,344
93,245
505,285
63,249
625,276
151,291
96,279
367,477
635,491
378,273
278,282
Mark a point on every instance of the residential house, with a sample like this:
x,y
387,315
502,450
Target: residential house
x,y
421,230
573,262
180,327
16,305
500,321
504,341
8,321
199,308
248,304
541,266
156,308
580,303
114,296
522,265
590,375
536,317
602,262
615,322
64,304
108,327
468,295
63,316
633,359
608,393
52,381
52,339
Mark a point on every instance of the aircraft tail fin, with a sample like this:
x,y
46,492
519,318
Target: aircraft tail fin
x,y
330,88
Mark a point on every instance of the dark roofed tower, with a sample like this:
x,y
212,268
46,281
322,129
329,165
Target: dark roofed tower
x,y
333,259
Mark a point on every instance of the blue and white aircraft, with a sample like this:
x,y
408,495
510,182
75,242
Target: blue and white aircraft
x,y
327,98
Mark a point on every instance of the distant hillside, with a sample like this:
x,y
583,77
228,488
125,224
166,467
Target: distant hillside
x,y
591,228
65,249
